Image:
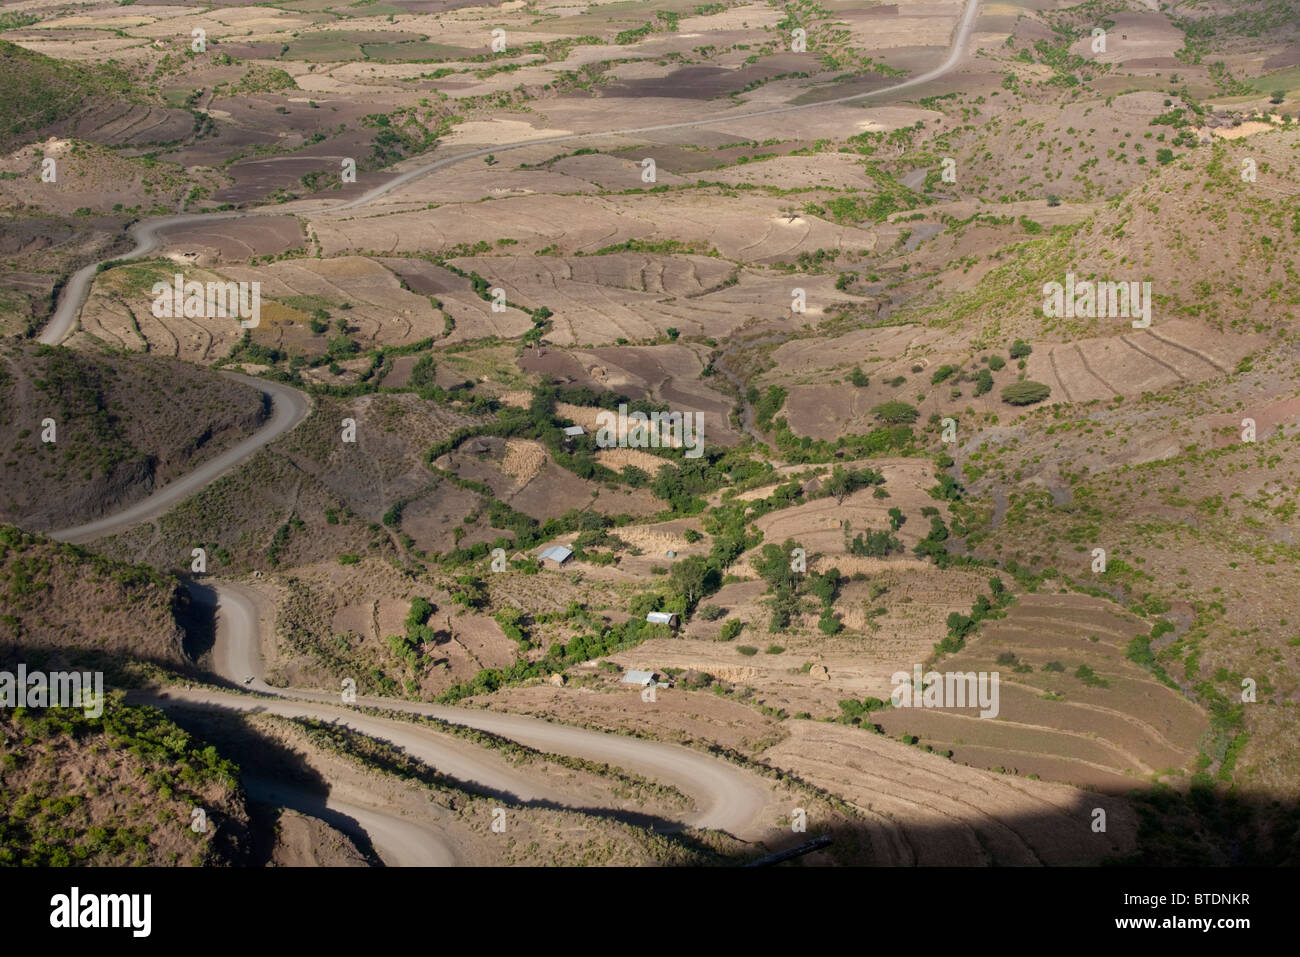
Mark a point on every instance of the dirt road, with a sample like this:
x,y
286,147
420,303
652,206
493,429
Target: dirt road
x,y
74,293
288,408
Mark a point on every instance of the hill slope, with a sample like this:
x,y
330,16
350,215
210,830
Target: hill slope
x,y
121,426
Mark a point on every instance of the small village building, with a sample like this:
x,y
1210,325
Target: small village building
x,y
642,679
556,553
662,618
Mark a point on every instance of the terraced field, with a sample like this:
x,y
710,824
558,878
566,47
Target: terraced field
x,y
1107,733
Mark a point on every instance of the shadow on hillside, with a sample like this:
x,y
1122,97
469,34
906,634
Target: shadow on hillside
x,y
197,618
273,776
1194,828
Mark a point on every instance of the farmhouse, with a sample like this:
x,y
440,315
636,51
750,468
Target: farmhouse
x,y
642,679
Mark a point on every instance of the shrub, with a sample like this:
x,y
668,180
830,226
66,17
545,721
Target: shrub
x,y
1019,349
710,612
747,650
774,649
349,559
730,629
895,412
1089,677
996,362
1025,393
859,378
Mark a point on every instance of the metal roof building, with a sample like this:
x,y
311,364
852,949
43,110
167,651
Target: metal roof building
x,y
557,553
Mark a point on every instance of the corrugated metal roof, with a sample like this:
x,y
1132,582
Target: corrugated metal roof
x,y
660,617
638,677
574,430
557,553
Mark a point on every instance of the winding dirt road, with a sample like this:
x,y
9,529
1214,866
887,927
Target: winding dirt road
x,y
727,797
288,408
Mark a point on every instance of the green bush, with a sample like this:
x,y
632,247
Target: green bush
x,y
1025,393
747,650
895,412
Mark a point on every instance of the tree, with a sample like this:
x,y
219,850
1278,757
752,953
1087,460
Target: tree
x,y
895,412
1019,349
859,378
959,625
984,381
896,518
1277,96
1025,393
932,545
874,544
773,564
471,592
691,578
844,482
422,374
784,604
341,346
